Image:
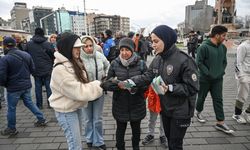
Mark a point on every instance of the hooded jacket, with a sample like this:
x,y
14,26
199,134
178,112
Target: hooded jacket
x,y
41,51
89,61
211,60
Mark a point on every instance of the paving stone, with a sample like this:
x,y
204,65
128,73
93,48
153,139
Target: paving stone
x,y
8,147
238,140
28,147
59,139
217,141
23,140
43,140
49,146
39,134
196,141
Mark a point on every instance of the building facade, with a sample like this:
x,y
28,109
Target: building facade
x,y
77,19
114,23
199,17
63,21
36,17
18,13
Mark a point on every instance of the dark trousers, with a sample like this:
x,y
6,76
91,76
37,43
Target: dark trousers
x,y
120,133
215,88
175,130
39,82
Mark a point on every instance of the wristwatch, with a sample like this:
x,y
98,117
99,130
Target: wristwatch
x,y
170,88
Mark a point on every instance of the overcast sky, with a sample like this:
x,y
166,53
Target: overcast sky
x,y
142,13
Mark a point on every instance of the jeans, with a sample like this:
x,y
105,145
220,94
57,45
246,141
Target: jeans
x,y
39,82
71,123
120,133
151,124
93,122
12,100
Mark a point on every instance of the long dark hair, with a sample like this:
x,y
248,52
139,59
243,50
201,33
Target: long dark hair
x,y
65,46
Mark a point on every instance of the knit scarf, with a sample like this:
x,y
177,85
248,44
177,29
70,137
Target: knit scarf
x,y
127,62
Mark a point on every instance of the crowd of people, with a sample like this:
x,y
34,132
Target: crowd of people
x,y
78,71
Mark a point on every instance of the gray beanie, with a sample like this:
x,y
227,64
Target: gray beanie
x,y
128,43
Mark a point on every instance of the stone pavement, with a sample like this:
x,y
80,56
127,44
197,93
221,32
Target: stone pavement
x,y
198,137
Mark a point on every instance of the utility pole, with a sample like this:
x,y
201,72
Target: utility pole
x,y
85,17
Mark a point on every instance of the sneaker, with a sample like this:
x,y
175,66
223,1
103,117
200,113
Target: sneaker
x,y
239,118
89,145
148,139
200,117
41,123
163,141
9,131
246,116
224,128
102,147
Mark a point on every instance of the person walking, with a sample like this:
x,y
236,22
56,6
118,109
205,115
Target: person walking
x,y
128,105
212,61
243,80
97,68
178,71
15,70
41,52
71,89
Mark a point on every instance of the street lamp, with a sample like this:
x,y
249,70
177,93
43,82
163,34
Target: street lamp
x,y
41,23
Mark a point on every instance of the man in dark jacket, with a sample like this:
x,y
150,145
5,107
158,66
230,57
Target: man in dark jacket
x,y
41,52
212,61
192,44
179,72
15,69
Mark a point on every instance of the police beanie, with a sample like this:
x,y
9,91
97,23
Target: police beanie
x,y
128,43
166,34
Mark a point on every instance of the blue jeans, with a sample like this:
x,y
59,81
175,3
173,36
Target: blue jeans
x,y
93,122
39,82
12,100
71,123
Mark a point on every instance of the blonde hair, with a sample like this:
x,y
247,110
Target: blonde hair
x,y
52,35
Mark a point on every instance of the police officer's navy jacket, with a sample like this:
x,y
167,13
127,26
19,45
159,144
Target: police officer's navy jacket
x,y
15,69
180,71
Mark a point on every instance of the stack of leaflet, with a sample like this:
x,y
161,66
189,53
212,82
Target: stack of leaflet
x,y
158,85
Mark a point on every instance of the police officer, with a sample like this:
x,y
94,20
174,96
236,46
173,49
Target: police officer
x,y
179,72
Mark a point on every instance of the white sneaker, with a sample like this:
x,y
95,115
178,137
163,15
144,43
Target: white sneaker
x,y
200,118
246,116
224,128
239,118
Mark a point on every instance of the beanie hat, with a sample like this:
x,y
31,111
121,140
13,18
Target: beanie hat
x,y
66,43
39,31
9,41
108,33
131,34
128,43
166,34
